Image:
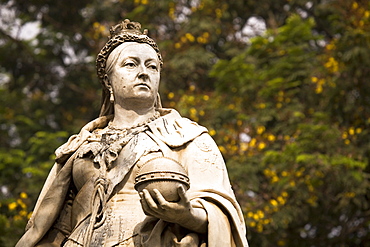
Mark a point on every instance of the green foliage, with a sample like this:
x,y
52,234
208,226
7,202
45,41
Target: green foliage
x,y
306,165
289,108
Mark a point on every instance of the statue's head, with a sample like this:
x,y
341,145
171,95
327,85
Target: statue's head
x,y
121,35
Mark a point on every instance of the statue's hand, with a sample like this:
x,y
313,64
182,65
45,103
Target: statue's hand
x,y
180,212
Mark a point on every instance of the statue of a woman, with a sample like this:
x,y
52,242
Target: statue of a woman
x,y
89,197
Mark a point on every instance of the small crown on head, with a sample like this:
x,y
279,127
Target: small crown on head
x,y
127,26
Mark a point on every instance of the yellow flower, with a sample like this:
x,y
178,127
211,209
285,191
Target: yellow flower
x,y
29,215
23,195
318,89
281,200
260,129
271,138
298,173
201,40
23,213
266,221
17,217
193,111
212,132
260,214
12,206
261,145
274,179
273,202
171,95
222,149
205,97
252,143
190,37
367,14
267,172
243,146
330,46
351,131
183,39
262,106
314,79
252,224
332,64
21,203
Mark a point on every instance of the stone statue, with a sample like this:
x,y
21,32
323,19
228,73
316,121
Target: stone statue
x,y
140,174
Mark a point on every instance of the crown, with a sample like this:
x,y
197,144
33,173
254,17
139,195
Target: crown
x,y
127,26
126,31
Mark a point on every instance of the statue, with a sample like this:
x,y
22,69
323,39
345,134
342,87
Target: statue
x,y
140,174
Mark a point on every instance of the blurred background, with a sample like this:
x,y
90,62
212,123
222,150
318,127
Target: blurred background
x,y
282,86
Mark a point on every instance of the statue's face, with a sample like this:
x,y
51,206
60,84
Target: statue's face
x,y
135,75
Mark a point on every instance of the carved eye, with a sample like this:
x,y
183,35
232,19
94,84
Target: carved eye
x,y
130,64
153,67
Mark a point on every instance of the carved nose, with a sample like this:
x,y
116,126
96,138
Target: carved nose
x,y
143,76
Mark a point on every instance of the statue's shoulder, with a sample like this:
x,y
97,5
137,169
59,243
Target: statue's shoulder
x,y
175,130
75,141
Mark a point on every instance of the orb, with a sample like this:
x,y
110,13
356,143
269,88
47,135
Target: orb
x,y
163,174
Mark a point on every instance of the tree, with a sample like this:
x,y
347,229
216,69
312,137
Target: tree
x,y
288,108
307,115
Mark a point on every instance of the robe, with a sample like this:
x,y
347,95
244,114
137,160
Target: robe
x,y
63,212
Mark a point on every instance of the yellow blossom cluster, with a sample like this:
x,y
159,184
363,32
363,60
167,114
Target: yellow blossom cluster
x,y
331,46
259,219
99,30
143,2
332,65
19,207
321,82
271,174
360,15
190,38
189,103
259,142
281,99
350,134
